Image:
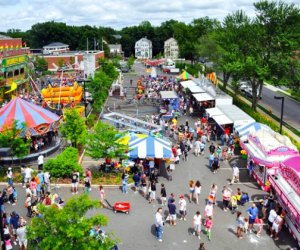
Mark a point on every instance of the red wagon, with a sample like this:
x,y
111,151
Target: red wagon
x,y
120,207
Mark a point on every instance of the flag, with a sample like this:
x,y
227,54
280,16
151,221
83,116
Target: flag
x,y
13,86
11,47
104,41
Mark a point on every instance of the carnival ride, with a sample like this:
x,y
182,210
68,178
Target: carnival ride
x,y
63,94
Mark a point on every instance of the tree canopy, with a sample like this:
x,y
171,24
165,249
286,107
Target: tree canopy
x,y
68,228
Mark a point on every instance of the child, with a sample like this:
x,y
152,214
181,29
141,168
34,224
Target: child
x,y
208,227
259,224
233,204
246,225
163,195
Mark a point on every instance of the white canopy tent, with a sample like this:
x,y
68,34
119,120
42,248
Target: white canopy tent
x,y
213,112
188,83
222,119
196,89
236,114
168,95
201,97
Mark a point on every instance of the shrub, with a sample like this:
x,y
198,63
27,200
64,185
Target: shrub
x,y
90,121
64,164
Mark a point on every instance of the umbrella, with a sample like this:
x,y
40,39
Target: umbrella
x,y
184,76
150,147
36,118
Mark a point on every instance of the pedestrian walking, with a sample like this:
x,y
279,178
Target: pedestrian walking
x,y
182,207
252,212
124,183
277,226
28,171
9,175
152,189
226,197
271,218
172,212
87,184
23,167
216,163
240,225
163,195
136,178
75,181
208,227
209,209
22,236
259,224
213,193
102,196
197,191
159,223
47,182
202,247
197,221
191,190
144,185
40,161
235,174
197,147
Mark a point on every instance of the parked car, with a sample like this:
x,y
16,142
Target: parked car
x,y
249,93
88,96
124,69
243,85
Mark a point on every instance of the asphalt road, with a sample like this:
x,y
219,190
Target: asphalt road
x,y
136,230
291,114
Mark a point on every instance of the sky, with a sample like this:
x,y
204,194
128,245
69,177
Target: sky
x,y
22,14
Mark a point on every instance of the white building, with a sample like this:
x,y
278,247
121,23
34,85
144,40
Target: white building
x,y
55,48
143,49
115,49
171,49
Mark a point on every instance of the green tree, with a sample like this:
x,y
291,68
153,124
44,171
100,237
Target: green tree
x,y
130,62
41,64
69,228
61,62
74,128
103,143
63,165
11,138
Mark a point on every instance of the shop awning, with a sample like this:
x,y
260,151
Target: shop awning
x,y
168,95
188,83
236,114
246,129
201,97
222,119
196,89
213,112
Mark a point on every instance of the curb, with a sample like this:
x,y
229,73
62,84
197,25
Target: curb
x,y
70,185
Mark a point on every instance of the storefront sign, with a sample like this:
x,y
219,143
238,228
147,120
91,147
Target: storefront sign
x,y
7,62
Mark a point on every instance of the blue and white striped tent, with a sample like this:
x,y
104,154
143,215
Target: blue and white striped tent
x,y
149,147
244,130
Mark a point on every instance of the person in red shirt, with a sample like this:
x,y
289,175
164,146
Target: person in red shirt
x,y
203,121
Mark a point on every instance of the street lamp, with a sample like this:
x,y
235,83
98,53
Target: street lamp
x,y
84,94
281,115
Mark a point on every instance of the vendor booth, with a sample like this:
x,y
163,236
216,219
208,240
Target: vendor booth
x,y
188,83
195,89
286,184
266,150
170,101
236,114
204,100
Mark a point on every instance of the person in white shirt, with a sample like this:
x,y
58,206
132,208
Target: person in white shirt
x,y
21,234
197,145
235,174
271,218
159,223
28,171
209,209
40,162
47,181
182,207
197,224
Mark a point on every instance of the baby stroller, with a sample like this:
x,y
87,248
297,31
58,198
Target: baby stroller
x,y
233,204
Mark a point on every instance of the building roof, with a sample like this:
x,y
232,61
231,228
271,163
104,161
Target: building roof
x,y
3,37
171,39
144,39
56,44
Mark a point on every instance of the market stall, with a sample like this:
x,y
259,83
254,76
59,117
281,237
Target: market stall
x,y
170,101
236,114
266,150
195,89
286,184
187,84
204,100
